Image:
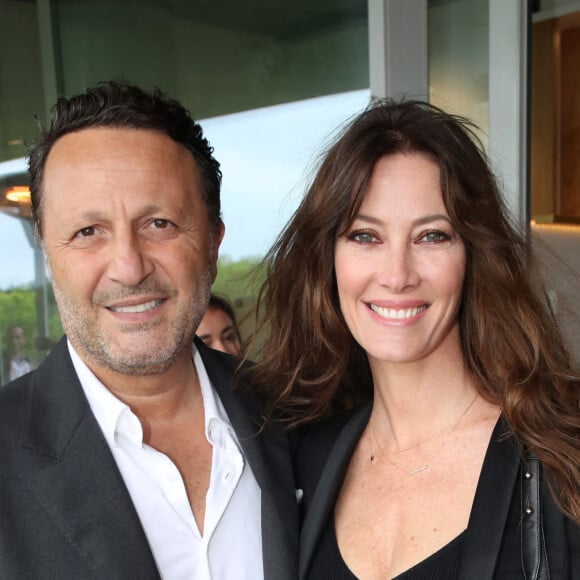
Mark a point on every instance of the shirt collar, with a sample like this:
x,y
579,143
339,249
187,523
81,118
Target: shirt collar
x,y
106,408
115,417
213,408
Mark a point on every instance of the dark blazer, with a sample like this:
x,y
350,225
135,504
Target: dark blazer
x,y
64,509
493,543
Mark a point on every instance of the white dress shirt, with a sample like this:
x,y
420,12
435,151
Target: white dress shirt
x,y
231,545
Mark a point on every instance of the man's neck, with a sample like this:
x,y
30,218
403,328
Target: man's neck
x,y
155,397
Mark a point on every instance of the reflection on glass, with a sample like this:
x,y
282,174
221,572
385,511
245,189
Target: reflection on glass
x,y
459,59
21,96
266,157
29,322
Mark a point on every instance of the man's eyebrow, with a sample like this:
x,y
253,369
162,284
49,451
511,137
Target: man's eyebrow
x,y
89,216
97,215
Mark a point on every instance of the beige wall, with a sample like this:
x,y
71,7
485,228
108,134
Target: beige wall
x,y
558,247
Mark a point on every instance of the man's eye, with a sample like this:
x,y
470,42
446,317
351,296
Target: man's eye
x,y
160,223
86,232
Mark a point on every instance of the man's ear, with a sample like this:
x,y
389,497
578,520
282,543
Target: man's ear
x,y
216,240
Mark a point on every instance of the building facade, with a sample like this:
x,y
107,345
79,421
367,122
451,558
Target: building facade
x,y
271,81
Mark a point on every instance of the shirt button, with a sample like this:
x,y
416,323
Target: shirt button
x,y
227,476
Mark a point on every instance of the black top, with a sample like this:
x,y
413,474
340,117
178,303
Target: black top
x,y
328,564
498,538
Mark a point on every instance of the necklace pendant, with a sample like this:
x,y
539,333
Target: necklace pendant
x,y
418,469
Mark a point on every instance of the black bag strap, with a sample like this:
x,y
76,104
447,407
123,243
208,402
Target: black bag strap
x,y
533,546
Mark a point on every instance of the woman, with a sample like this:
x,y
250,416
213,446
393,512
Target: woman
x,y
16,362
218,328
401,290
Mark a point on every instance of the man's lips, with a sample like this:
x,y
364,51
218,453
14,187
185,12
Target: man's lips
x,y
136,308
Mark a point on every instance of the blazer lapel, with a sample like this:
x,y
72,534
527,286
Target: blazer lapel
x,y
326,492
268,453
70,471
490,507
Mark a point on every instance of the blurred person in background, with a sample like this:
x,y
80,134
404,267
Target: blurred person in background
x,y
15,361
218,328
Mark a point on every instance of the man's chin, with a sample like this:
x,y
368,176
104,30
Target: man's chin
x,y
125,359
137,365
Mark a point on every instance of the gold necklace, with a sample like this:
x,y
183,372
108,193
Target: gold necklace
x,y
388,456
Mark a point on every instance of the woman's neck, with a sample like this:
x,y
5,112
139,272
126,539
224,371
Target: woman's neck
x,y
414,401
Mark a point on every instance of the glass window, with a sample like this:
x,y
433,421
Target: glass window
x,y
21,94
267,157
216,57
459,58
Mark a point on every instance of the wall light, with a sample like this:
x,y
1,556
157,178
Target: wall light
x,y
18,194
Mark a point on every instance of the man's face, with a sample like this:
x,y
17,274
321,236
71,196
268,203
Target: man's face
x,y
132,254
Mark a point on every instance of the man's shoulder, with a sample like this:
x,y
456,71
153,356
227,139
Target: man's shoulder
x,y
322,435
228,377
14,413
316,439
17,396
15,393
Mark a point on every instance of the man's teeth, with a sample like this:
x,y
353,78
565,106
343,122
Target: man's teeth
x,y
137,307
398,313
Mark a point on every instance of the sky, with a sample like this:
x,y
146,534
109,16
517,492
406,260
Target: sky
x,y
267,156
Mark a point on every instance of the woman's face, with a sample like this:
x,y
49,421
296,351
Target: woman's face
x,y
218,331
400,265
18,339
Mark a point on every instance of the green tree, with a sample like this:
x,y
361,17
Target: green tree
x,y
238,280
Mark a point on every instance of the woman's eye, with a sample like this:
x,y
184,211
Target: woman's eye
x,y
362,237
230,337
435,236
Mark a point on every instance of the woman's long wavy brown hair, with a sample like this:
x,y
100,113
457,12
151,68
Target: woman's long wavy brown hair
x,y
511,342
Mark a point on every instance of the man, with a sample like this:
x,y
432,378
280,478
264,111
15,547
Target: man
x,y
126,455
16,362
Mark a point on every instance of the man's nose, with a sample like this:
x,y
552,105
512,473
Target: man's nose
x,y
129,262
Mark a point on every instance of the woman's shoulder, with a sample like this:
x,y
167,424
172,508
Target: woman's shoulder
x,y
313,443
316,439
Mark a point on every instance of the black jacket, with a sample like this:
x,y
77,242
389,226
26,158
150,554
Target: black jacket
x,y
64,509
502,534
